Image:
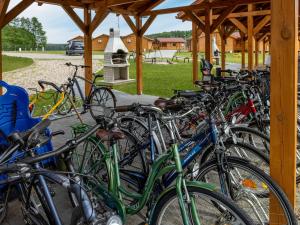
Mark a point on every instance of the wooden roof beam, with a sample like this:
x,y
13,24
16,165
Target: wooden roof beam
x,y
221,18
196,19
3,8
97,20
14,12
110,3
147,24
261,24
75,18
239,25
130,23
71,3
153,5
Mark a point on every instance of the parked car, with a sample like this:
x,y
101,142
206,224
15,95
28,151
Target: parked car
x,y
75,48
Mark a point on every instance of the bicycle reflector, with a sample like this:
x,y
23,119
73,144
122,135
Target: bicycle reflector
x,y
248,183
114,220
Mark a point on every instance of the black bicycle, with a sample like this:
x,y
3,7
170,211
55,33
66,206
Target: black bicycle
x,y
99,99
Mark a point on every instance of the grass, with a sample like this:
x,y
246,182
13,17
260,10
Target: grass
x,y
12,63
160,80
230,57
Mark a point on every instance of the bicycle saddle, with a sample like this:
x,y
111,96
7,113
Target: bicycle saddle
x,y
107,135
165,104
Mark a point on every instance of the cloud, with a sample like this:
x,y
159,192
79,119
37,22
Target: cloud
x,y
59,26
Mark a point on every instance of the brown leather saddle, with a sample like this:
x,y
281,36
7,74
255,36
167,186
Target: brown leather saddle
x,y
107,135
165,104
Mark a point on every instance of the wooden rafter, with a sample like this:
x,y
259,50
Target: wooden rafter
x,y
75,18
130,23
14,12
229,32
152,5
221,18
3,8
97,20
239,25
110,3
147,24
71,3
233,15
195,19
203,5
261,24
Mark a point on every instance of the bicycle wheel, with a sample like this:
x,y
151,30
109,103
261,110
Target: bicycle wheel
x,y
249,187
101,102
212,208
65,107
244,151
253,137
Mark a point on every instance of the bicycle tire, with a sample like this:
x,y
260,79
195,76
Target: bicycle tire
x,y
65,107
160,206
104,107
237,163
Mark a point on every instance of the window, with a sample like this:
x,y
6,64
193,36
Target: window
x,y
100,41
174,44
128,40
164,44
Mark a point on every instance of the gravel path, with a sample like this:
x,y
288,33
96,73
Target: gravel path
x,y
48,56
50,70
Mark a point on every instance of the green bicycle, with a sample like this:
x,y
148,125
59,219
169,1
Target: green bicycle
x,y
184,202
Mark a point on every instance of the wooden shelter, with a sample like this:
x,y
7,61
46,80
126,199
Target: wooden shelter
x,y
255,22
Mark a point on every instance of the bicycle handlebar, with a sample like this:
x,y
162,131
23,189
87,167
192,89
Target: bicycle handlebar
x,y
76,66
42,84
68,146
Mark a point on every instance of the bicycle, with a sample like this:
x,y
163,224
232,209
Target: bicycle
x,y
24,168
183,196
253,177
98,99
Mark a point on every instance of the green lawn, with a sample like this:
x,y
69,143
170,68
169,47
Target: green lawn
x,y
160,80
230,57
12,63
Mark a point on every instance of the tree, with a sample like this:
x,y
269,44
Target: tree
x,y
24,33
38,32
15,38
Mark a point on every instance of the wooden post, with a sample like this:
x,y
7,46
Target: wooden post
x,y
195,52
250,38
256,52
243,50
264,52
223,55
88,53
284,79
208,21
139,56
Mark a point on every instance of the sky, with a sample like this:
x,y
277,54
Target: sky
x,y
60,28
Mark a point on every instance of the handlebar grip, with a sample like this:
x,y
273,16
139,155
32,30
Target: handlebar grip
x,y
42,84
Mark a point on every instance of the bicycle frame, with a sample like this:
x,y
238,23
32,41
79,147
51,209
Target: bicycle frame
x,y
115,192
45,197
